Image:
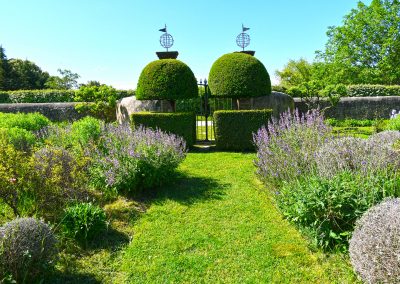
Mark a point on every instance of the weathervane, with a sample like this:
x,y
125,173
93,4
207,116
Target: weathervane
x,y
243,39
166,40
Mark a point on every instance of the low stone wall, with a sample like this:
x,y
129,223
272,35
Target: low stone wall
x,y
53,111
358,107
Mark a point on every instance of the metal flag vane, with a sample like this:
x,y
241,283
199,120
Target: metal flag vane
x,y
243,39
166,40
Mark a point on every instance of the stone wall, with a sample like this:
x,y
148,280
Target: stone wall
x,y
53,111
358,107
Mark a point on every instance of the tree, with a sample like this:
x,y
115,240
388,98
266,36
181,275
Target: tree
x,y
26,75
295,73
4,70
366,48
67,81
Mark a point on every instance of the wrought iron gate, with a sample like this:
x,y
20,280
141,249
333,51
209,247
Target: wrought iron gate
x,y
205,131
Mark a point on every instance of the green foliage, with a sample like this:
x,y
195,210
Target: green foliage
x,y
239,75
84,131
26,75
182,124
393,124
167,79
37,96
294,73
327,208
366,48
234,129
28,121
15,174
21,139
372,90
57,178
67,81
98,101
83,222
27,250
349,122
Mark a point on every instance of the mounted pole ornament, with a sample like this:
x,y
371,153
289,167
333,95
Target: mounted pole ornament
x,y
243,39
166,41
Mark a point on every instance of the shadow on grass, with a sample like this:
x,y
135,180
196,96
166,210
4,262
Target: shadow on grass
x,y
186,190
111,240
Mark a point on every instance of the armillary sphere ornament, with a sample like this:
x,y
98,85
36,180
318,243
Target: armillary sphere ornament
x,y
166,40
243,39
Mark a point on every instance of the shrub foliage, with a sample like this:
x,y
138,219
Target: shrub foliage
x,y
239,75
234,129
167,79
181,124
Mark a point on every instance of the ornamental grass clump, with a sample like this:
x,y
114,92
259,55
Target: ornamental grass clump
x,y
135,159
286,147
27,249
375,244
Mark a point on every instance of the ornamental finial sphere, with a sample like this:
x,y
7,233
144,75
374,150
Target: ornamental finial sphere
x,y
243,40
166,40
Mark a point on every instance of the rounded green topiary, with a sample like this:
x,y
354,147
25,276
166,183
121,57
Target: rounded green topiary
x,y
239,75
168,79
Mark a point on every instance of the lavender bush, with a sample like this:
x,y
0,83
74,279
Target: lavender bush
x,y
375,244
324,183
133,160
286,148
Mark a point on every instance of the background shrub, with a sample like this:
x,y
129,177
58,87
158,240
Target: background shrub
x,y
375,244
27,249
350,122
234,129
27,121
98,101
58,179
239,75
84,131
393,124
37,96
21,139
83,222
372,90
181,124
166,79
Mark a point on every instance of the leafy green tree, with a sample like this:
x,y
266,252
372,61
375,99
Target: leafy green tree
x,y
366,48
26,75
294,73
67,81
4,69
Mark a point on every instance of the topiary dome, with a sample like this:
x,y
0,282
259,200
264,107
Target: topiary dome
x,y
167,79
239,75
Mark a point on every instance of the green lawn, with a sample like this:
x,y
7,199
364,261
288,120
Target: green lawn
x,y
216,224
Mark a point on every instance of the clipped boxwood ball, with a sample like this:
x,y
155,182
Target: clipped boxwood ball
x,y
166,79
239,75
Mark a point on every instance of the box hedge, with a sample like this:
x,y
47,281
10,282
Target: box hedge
x,y
178,123
234,129
372,90
48,96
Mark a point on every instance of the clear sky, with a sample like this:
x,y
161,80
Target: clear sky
x,y
111,41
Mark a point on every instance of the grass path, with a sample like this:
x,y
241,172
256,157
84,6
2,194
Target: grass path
x,y
216,224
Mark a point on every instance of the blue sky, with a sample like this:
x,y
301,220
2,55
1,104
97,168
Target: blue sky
x,y
111,41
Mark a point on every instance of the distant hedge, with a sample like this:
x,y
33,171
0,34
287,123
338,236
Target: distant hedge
x,y
372,90
239,75
178,123
48,96
234,128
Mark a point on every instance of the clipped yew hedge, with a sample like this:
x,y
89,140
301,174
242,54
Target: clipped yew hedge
x,y
239,75
178,123
372,90
234,128
166,79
